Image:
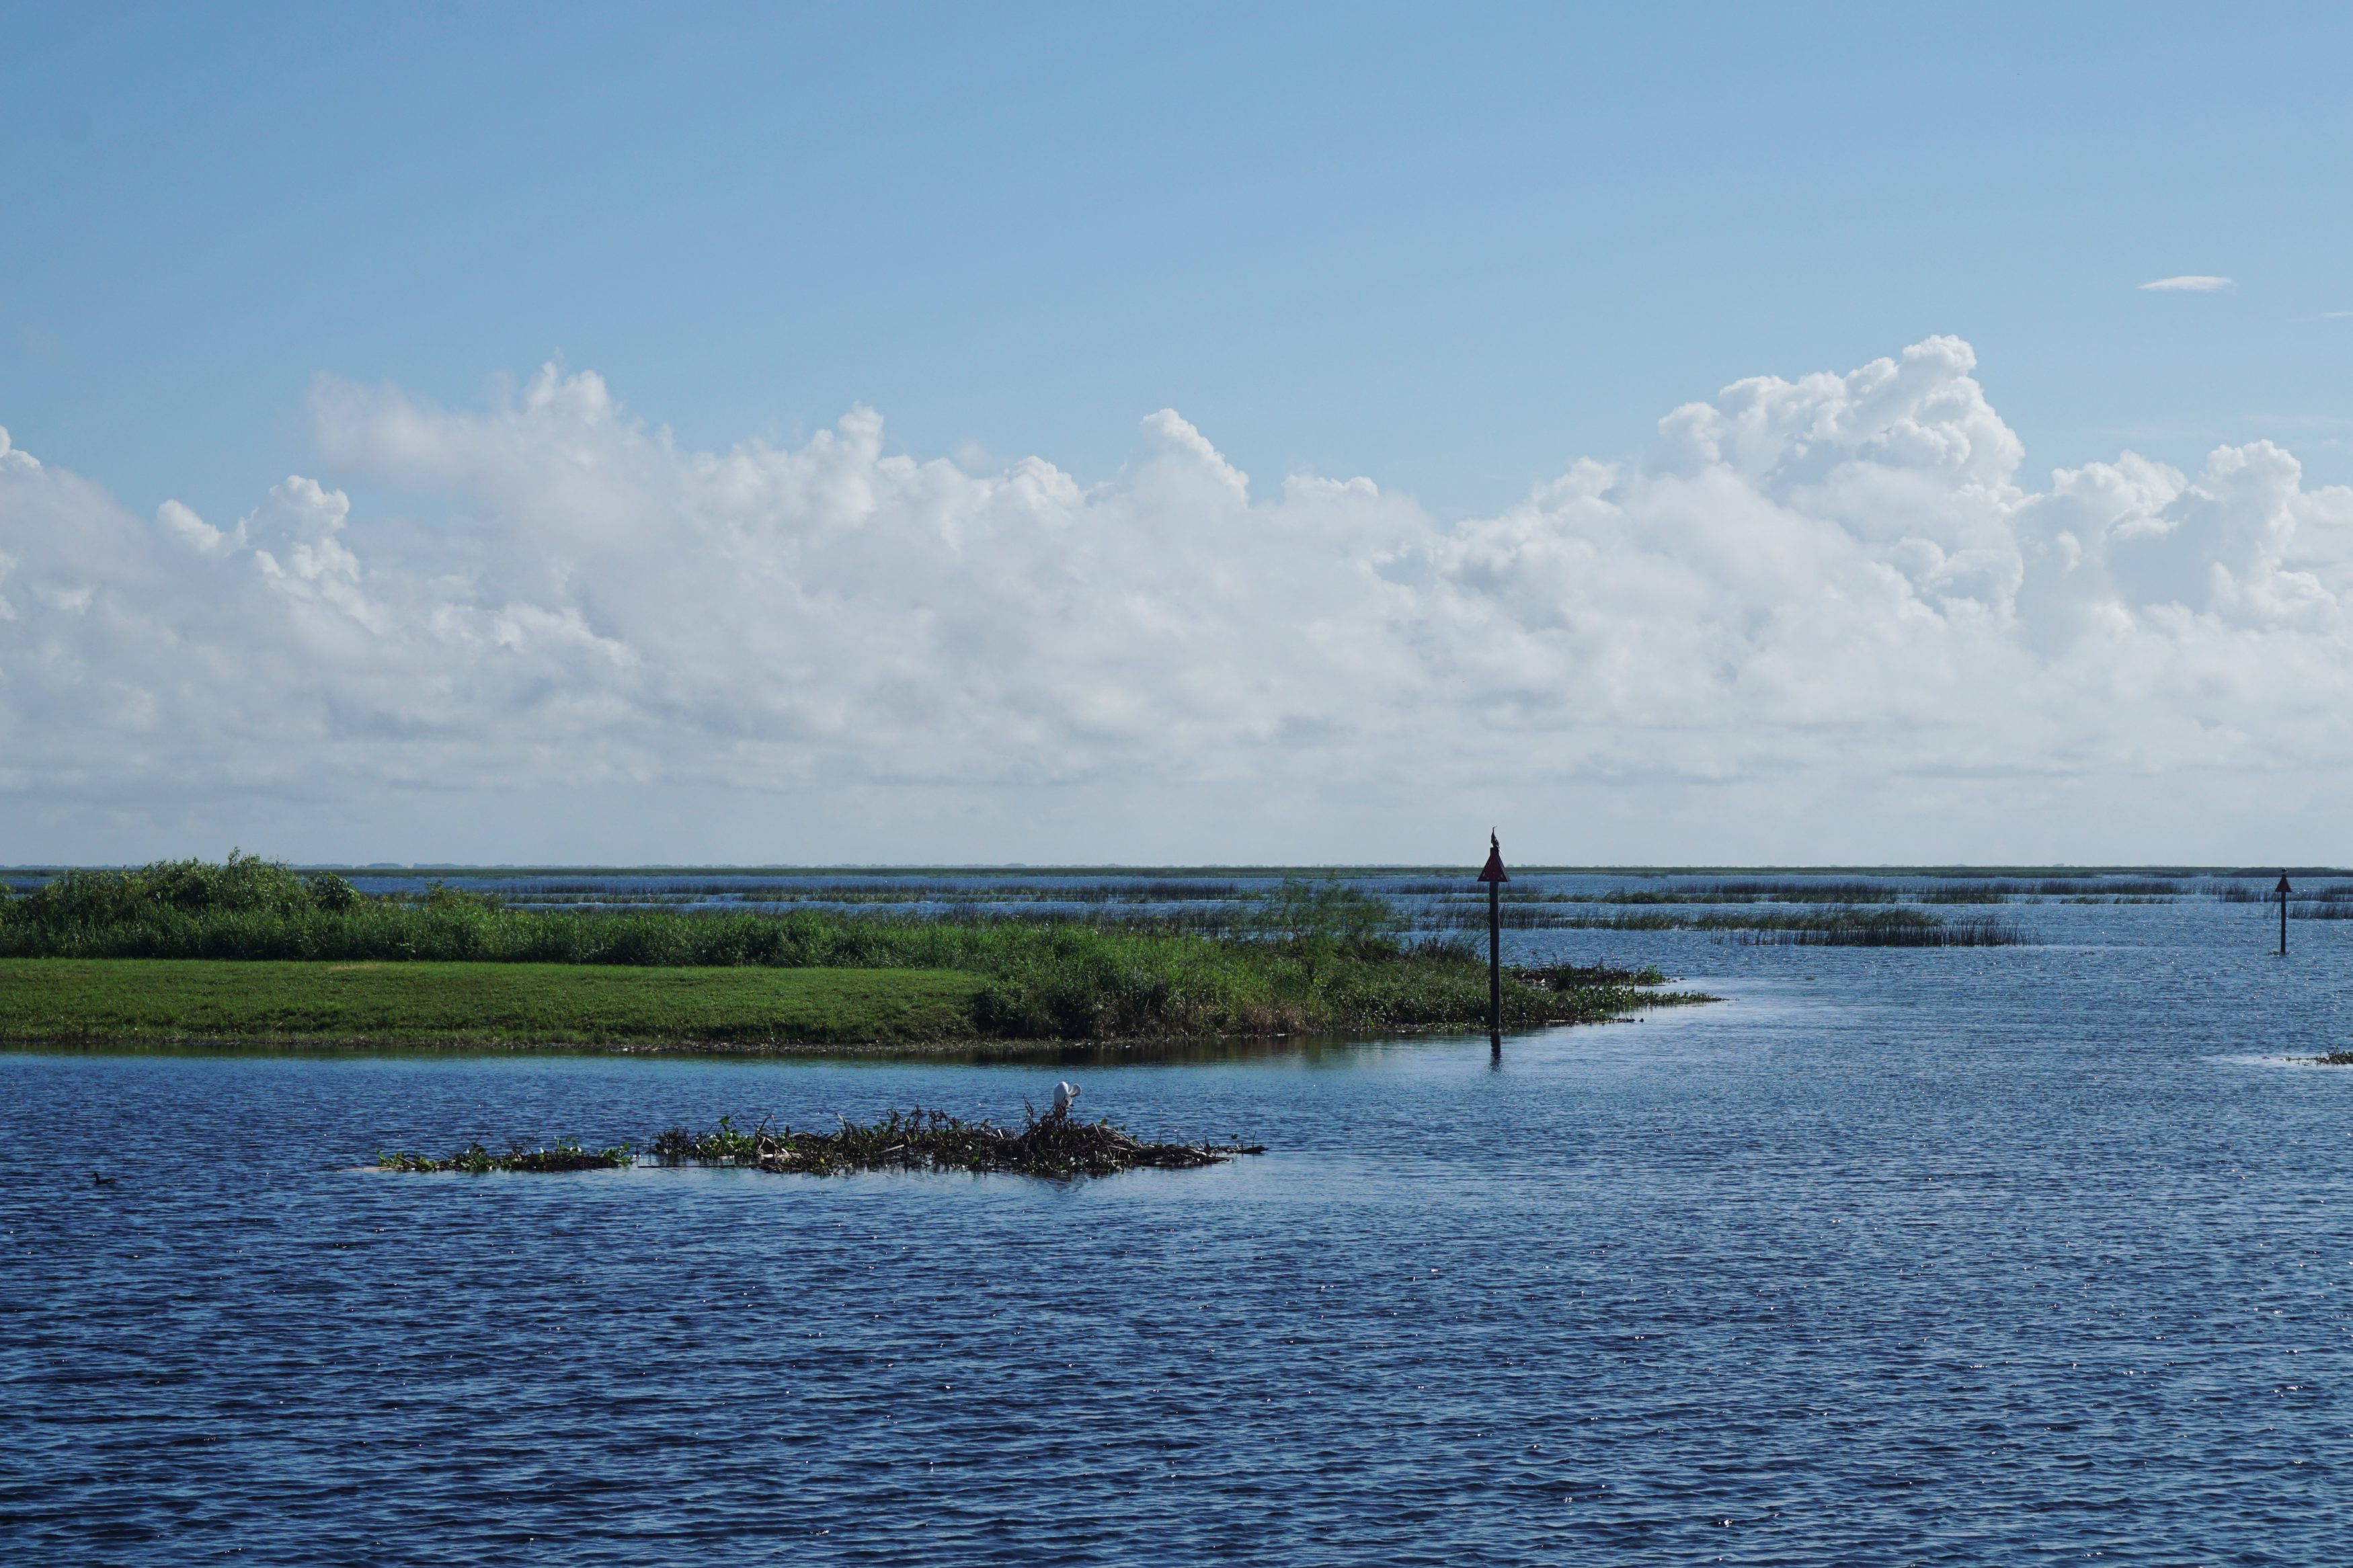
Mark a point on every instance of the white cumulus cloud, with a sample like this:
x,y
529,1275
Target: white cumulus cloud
x,y
1827,618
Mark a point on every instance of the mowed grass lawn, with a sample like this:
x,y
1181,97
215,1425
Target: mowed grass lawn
x,y
519,1003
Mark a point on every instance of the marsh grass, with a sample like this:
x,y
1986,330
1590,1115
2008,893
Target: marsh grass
x,y
2310,902
1846,893
1886,928
1838,926
1809,892
2259,891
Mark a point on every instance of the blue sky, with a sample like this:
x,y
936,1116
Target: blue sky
x,y
1452,248
751,434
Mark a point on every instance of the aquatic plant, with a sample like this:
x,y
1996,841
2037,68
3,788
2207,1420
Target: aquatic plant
x,y
723,1145
1052,1146
1887,928
474,1159
1569,976
2258,888
1809,892
1836,926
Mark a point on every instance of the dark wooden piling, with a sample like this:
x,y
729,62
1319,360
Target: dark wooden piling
x,y
2283,892
1494,876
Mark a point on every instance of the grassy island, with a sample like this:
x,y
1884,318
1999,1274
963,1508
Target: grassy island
x,y
251,950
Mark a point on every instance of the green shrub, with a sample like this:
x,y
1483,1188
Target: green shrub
x,y
332,894
84,899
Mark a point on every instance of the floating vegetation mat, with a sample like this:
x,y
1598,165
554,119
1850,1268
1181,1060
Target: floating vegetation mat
x,y
1052,1146
477,1161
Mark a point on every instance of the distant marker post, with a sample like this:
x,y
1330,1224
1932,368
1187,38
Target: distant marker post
x,y
2282,890
1494,876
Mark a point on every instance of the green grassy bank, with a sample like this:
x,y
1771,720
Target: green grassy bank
x,y
71,999
135,999
249,950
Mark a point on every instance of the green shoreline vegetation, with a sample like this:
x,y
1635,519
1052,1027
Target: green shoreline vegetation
x,y
251,950
163,1000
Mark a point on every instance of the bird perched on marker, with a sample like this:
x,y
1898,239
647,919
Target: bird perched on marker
x,y
1064,1094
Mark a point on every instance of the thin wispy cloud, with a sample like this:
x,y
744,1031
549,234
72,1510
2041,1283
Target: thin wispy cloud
x,y
2191,283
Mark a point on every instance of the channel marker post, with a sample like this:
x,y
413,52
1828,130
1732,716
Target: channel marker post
x,y
1494,876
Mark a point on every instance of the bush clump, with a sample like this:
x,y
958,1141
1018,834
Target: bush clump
x,y
80,905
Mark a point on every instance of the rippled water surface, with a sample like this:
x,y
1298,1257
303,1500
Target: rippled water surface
x,y
2015,1255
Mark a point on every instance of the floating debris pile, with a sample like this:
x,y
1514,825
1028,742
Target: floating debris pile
x,y
1052,1146
477,1161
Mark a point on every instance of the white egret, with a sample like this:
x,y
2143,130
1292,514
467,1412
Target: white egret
x,y
1064,1093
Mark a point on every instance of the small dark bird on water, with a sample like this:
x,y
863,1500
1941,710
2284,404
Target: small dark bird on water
x,y
98,1181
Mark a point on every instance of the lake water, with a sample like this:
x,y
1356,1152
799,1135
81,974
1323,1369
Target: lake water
x,y
2004,1256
